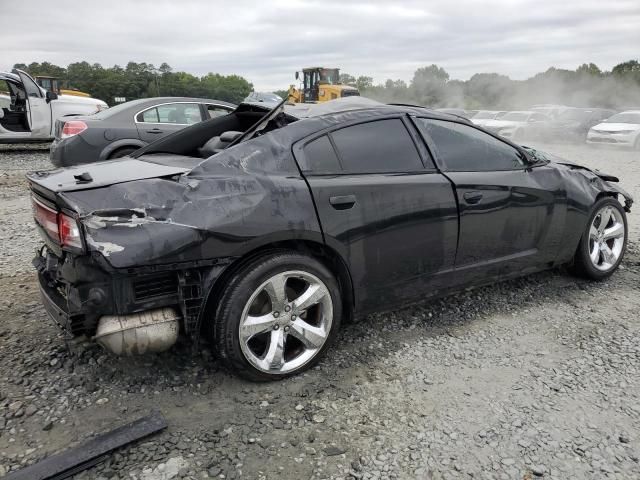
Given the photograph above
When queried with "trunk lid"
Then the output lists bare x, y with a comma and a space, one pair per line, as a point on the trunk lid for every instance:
96, 175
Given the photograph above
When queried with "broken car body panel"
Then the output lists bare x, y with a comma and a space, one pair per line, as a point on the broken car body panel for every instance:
162, 232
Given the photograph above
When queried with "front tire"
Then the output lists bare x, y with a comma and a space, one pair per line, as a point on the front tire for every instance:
277, 316
604, 241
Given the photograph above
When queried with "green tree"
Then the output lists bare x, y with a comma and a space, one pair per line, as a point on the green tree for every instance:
428, 85
589, 69
347, 79
363, 83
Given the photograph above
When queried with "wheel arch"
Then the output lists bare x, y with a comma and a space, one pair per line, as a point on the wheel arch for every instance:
320, 251
118, 144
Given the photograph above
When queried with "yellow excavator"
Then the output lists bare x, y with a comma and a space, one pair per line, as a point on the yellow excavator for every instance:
320, 84
51, 84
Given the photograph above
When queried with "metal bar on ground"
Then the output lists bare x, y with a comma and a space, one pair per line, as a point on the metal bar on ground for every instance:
92, 452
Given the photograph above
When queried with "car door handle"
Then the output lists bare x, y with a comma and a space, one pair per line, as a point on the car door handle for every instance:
155, 130
472, 197
342, 202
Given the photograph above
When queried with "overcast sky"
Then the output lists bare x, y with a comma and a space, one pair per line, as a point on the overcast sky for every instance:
266, 41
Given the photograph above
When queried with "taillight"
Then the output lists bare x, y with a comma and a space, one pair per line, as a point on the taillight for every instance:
47, 218
73, 127
61, 228
69, 231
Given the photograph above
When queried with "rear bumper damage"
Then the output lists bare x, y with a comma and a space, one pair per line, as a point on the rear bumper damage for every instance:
84, 297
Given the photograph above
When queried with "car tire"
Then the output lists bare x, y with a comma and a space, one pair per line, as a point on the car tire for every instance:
122, 152
591, 260
258, 331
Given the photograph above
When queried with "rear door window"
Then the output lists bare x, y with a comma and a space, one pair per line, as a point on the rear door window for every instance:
377, 147
216, 111
320, 157
149, 116
180, 113
462, 148
175, 113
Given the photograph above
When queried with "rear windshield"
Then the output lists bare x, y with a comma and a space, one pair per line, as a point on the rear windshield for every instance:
630, 117
115, 110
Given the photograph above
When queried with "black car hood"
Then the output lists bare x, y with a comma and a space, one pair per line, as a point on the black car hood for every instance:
96, 175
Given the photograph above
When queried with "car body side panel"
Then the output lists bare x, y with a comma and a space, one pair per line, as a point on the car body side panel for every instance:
226, 209
517, 223
583, 187
399, 238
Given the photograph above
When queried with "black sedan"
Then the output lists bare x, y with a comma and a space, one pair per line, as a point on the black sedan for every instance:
264, 231
121, 130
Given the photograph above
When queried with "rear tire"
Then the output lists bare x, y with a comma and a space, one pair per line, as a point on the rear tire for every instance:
264, 328
122, 152
603, 242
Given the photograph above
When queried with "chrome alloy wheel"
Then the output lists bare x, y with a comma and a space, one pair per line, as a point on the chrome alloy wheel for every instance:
606, 238
286, 322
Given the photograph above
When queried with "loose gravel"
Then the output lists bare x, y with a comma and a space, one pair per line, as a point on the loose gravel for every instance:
532, 378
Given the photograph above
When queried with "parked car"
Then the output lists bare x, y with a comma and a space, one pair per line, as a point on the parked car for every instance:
264, 231
572, 124
549, 109
268, 98
622, 129
32, 111
516, 125
123, 129
482, 117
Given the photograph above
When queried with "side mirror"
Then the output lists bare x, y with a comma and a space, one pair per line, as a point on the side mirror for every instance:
1, 113
297, 75
51, 96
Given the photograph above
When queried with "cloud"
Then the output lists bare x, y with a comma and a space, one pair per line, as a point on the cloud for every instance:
267, 41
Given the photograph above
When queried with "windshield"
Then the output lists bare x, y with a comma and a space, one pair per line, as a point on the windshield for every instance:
329, 75
485, 115
625, 117
516, 116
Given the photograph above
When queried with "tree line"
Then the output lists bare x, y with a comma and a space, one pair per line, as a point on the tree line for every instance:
141, 80
586, 86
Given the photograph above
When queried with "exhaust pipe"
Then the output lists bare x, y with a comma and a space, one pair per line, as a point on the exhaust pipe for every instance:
145, 332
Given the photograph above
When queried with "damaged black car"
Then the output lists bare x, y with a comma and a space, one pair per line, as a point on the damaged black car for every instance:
264, 230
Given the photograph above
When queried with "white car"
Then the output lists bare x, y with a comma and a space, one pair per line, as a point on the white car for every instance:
621, 129
549, 109
515, 125
485, 116
31, 113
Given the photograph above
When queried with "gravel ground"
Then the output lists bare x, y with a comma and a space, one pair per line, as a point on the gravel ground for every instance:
537, 377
